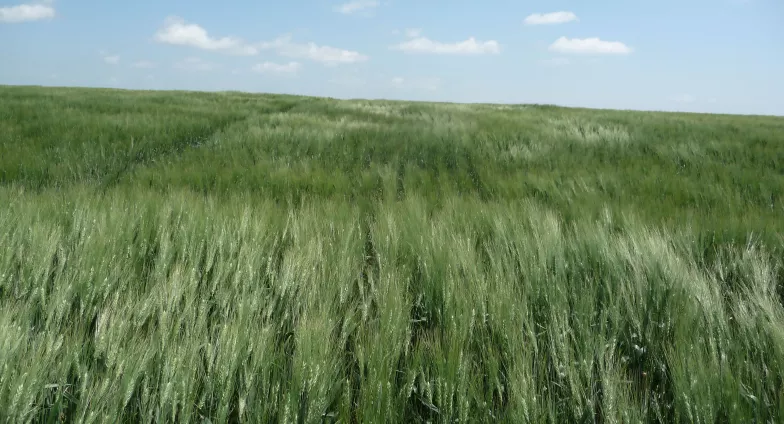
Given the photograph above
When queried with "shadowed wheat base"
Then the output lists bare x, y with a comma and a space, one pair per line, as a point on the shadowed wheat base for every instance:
177, 257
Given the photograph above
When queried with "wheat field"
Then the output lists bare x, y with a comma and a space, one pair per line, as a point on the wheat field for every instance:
231, 257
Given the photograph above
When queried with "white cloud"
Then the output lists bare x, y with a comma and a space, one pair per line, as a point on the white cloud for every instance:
550, 18
143, 64
357, 6
468, 47
323, 54
112, 59
26, 13
177, 32
413, 32
195, 64
589, 46
277, 68
684, 98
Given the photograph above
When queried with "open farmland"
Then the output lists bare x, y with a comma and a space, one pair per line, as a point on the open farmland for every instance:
178, 256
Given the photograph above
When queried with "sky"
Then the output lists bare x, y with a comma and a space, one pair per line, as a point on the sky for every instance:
716, 56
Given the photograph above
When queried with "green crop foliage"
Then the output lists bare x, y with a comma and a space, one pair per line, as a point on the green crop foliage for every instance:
185, 257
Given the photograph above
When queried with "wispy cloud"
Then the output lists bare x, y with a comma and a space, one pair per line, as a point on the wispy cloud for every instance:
143, 64
327, 55
589, 46
277, 68
26, 13
684, 98
413, 32
357, 6
550, 18
112, 59
424, 45
178, 32
195, 64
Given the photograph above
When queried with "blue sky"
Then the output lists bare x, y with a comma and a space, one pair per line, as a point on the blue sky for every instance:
724, 56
